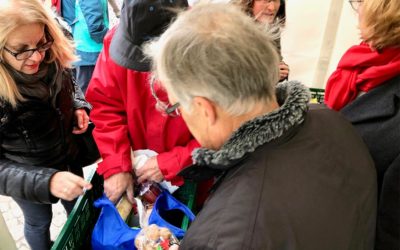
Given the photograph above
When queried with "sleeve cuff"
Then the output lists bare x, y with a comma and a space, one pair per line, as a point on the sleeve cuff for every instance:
114, 165
169, 167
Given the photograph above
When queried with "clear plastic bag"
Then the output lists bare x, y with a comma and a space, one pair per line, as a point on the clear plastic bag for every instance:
153, 237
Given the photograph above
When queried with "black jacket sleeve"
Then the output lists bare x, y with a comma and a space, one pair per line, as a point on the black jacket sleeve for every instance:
26, 182
79, 97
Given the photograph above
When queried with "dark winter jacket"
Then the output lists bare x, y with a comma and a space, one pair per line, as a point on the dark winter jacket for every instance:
296, 178
376, 116
36, 141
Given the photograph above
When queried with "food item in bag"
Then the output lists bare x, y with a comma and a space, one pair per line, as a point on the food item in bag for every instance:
153, 237
165, 233
152, 232
124, 207
148, 192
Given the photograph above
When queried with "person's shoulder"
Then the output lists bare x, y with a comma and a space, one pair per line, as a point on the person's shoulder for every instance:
323, 113
337, 137
324, 117
391, 86
319, 106
381, 101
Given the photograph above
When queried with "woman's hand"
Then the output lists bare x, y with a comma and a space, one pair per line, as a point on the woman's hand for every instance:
68, 186
283, 71
149, 171
82, 121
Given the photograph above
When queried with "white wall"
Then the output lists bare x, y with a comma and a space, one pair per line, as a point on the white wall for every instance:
317, 33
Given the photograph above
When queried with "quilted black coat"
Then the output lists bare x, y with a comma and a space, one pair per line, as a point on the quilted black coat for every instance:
36, 141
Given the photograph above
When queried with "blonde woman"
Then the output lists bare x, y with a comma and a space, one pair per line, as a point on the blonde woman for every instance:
41, 109
365, 88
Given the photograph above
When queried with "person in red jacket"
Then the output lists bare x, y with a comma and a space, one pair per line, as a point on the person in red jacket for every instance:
124, 106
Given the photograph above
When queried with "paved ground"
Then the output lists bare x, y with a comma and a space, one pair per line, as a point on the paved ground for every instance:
13, 216
12, 213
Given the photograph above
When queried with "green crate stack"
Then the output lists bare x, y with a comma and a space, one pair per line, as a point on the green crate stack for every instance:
77, 231
317, 94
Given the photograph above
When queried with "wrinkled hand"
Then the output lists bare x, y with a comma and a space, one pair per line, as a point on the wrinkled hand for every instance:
82, 121
149, 171
283, 70
67, 186
117, 184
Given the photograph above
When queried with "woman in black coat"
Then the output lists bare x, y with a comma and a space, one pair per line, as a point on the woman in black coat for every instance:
42, 112
365, 88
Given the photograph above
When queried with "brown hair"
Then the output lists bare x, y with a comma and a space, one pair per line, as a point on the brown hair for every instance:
381, 19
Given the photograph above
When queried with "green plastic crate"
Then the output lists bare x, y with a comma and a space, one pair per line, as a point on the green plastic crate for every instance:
189, 191
77, 231
317, 94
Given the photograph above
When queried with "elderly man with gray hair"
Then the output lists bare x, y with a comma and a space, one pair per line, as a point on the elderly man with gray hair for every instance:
290, 175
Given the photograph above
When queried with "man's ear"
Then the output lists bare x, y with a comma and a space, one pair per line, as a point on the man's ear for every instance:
206, 109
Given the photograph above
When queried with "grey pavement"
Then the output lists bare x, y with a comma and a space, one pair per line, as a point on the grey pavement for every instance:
12, 213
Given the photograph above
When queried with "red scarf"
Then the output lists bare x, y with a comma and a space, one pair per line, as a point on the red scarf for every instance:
360, 69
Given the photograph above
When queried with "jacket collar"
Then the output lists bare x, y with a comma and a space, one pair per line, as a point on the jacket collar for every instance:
293, 98
377, 103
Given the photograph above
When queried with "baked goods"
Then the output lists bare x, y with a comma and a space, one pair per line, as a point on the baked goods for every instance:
154, 237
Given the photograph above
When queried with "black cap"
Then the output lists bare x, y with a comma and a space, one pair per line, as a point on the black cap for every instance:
141, 21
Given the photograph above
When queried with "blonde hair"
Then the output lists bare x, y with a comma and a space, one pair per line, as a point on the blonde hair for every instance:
381, 19
14, 13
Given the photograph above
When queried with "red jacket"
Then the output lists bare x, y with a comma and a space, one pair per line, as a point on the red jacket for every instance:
126, 118
57, 5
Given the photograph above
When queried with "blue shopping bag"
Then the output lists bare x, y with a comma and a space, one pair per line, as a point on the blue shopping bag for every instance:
166, 202
110, 231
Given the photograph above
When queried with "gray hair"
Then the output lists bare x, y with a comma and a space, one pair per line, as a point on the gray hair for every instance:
216, 51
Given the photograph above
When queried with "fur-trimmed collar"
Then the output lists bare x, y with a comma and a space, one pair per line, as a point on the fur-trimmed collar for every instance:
293, 98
